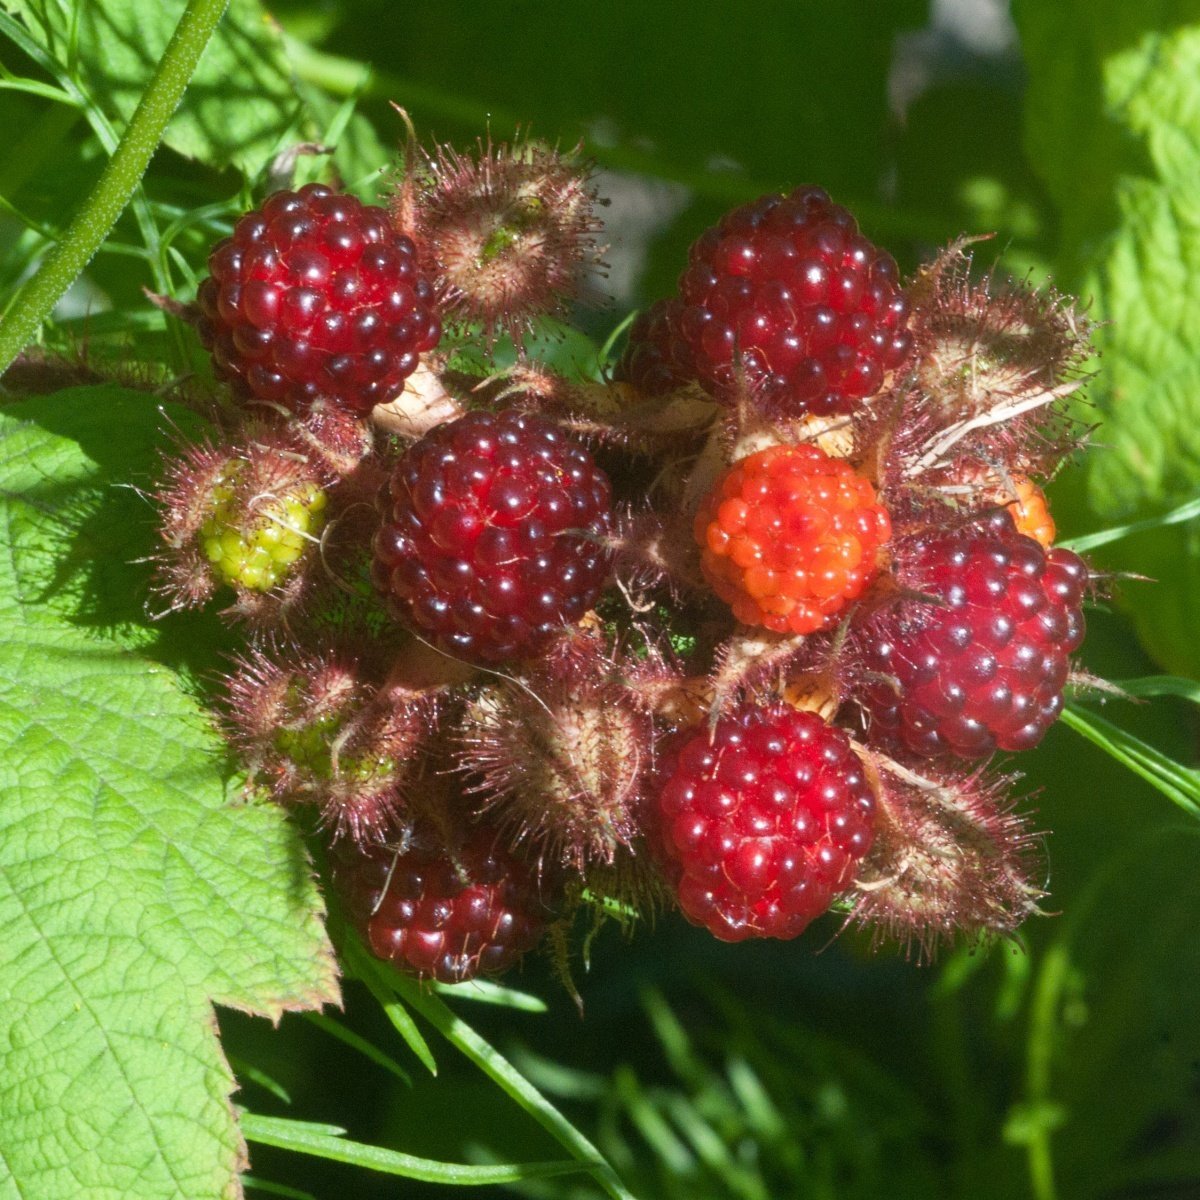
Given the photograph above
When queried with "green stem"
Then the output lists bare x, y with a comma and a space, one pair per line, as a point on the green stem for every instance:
128, 164
1043, 1023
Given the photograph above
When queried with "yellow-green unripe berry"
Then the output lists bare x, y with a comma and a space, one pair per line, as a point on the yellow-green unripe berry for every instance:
254, 544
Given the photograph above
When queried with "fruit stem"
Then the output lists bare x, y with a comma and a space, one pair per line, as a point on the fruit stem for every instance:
120, 178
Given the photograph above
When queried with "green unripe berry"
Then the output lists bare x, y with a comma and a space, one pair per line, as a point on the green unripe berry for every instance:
253, 545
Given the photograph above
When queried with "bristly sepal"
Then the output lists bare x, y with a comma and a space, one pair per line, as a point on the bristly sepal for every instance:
952, 858
562, 754
509, 231
318, 729
995, 366
242, 515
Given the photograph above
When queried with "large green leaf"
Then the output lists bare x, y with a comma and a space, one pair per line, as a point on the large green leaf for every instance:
1114, 125
135, 890
240, 103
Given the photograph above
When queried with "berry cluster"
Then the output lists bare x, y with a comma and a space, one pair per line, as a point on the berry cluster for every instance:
733, 630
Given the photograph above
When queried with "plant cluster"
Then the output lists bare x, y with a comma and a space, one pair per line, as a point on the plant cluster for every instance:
736, 628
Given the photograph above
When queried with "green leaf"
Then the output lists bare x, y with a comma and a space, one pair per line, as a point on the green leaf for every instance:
1114, 99
1148, 287
325, 1141
1164, 605
241, 101
134, 890
1108, 996
750, 128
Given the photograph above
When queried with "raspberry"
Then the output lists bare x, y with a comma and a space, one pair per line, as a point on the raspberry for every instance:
316, 297
787, 294
490, 538
789, 537
764, 821
656, 360
981, 664
443, 914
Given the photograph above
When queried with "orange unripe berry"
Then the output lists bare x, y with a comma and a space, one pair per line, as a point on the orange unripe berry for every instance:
1031, 513
789, 537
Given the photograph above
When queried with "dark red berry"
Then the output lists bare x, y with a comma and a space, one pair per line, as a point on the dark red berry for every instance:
786, 296
980, 665
316, 297
764, 821
491, 535
657, 360
441, 913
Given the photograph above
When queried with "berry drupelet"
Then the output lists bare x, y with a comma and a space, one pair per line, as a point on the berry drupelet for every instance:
315, 298
764, 821
492, 535
975, 655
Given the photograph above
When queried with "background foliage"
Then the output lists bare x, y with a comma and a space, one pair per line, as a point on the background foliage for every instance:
133, 891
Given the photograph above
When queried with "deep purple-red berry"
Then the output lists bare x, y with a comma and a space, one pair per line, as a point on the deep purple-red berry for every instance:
786, 297
979, 665
440, 912
764, 821
657, 359
316, 298
492, 533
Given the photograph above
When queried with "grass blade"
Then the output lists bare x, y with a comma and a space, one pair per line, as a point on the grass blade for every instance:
350, 1038
248, 1071
484, 992
304, 1137
253, 1184
383, 979
1162, 685
406, 1027
1178, 783
1092, 541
